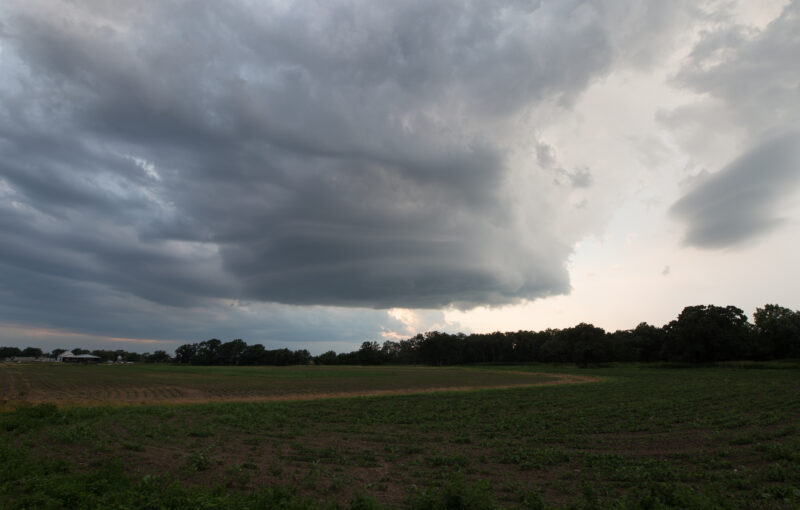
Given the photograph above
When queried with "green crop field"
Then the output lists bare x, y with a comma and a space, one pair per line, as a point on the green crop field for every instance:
625, 437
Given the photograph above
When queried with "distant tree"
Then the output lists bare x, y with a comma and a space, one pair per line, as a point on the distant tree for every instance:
55, 352
442, 349
706, 333
301, 357
32, 352
253, 355
527, 344
326, 358
208, 352
103, 354
370, 354
391, 351
231, 352
10, 352
132, 357
648, 342
281, 357
587, 343
347, 358
410, 350
778, 331
556, 348
643, 343
186, 353
159, 357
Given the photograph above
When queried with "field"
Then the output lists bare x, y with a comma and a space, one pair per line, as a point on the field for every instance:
618, 437
69, 385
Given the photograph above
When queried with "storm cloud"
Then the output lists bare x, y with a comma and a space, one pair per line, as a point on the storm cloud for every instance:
281, 168
344, 153
743, 200
752, 82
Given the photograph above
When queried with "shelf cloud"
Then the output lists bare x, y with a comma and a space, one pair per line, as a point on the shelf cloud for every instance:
163, 159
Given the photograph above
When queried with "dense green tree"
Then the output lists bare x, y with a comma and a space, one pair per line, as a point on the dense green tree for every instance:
705, 333
253, 355
159, 357
391, 351
32, 352
555, 348
327, 358
186, 353
778, 331
230, 353
301, 357
370, 354
587, 344
9, 352
208, 352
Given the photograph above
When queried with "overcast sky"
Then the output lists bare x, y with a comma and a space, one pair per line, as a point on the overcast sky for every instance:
314, 174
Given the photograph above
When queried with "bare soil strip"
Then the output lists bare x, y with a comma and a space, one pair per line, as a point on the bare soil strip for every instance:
195, 396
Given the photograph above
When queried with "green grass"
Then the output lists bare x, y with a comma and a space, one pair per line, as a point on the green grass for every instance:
643, 437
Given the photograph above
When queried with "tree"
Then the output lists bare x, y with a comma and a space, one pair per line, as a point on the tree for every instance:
231, 352
9, 352
391, 351
648, 341
208, 352
327, 358
301, 357
778, 331
186, 353
370, 353
32, 352
705, 333
159, 357
253, 355
587, 343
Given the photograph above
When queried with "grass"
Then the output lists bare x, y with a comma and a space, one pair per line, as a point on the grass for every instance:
643, 437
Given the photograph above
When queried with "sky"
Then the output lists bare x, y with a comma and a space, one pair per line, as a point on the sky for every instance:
315, 174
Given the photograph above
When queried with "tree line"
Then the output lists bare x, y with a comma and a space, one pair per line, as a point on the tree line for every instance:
104, 354
700, 334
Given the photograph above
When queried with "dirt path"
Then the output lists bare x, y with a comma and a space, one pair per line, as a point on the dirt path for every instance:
185, 395
557, 380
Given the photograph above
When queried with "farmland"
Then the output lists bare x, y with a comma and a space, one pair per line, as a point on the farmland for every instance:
70, 385
626, 436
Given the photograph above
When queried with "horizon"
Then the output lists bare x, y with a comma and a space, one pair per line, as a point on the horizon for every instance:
324, 350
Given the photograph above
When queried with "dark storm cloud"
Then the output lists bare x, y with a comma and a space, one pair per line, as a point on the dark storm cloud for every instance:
743, 200
756, 79
83, 314
164, 156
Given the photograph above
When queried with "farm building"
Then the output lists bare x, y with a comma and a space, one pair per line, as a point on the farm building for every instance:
69, 357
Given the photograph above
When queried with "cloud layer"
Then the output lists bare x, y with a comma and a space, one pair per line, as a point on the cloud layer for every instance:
179, 167
743, 200
752, 84
345, 153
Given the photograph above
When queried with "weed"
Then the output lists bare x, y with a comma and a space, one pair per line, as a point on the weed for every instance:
200, 461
